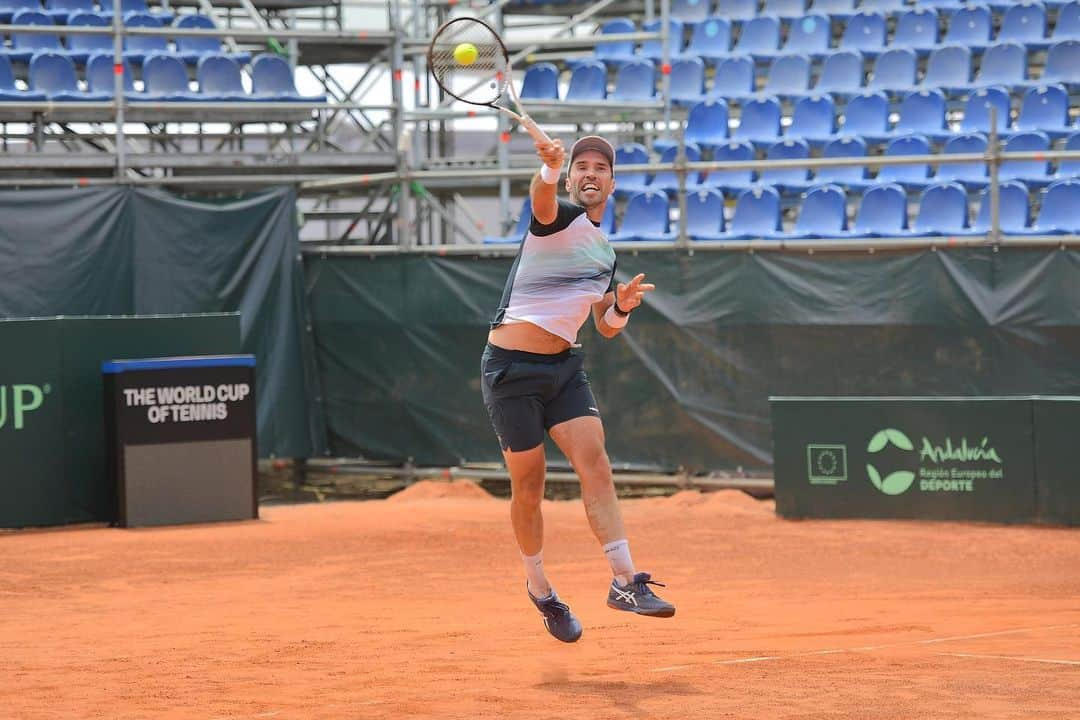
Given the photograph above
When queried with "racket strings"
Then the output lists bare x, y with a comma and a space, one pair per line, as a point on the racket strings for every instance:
480, 82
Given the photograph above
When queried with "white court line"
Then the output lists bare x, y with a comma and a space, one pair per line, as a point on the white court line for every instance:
866, 648
1010, 657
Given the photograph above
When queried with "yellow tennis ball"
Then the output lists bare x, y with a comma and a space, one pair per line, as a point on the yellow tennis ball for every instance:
466, 53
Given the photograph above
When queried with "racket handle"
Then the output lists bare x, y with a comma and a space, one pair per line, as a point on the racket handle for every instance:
533, 129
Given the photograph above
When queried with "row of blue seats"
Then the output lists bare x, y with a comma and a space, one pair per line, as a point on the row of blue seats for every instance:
61, 10
842, 74
165, 79
918, 30
915, 176
816, 119
80, 46
696, 11
883, 212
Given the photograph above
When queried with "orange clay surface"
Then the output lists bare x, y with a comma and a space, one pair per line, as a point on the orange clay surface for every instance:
415, 607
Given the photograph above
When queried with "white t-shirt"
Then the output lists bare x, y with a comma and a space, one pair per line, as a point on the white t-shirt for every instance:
561, 269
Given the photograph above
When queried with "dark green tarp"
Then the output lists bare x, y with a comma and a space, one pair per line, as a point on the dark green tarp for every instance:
125, 251
399, 341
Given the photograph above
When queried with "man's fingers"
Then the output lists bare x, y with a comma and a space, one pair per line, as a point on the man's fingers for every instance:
646, 287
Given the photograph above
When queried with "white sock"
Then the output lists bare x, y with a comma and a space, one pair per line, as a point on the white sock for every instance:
534, 571
618, 556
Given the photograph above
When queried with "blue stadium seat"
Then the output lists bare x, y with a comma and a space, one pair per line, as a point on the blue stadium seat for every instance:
787, 179
705, 214
734, 151
910, 176
809, 36
922, 112
219, 79
785, 8
81, 47
607, 222
707, 124
631, 183
193, 49
588, 82
1003, 64
1069, 169
917, 29
272, 80
813, 119
1058, 215
667, 181
1031, 172
760, 37
865, 32
635, 81
1045, 109
654, 49
737, 9
884, 7
882, 213
61, 10
54, 74
9, 92
970, 27
894, 71
943, 210
687, 81
101, 79
839, 9
850, 176
841, 74
977, 110
690, 12
1014, 213
760, 121
789, 75
734, 78
25, 45
1024, 23
711, 39
138, 48
1063, 65
165, 79
948, 68
8, 8
970, 175
1068, 22
866, 115
615, 53
757, 215
823, 214
522, 227
541, 82
646, 218
128, 7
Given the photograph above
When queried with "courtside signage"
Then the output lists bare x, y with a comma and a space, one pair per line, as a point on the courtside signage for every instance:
905, 457
18, 402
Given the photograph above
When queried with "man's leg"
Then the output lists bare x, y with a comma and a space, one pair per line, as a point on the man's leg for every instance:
527, 490
582, 441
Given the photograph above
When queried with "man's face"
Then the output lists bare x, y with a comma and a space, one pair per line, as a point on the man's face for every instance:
590, 179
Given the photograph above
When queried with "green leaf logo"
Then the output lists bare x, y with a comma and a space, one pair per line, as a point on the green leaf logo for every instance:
896, 482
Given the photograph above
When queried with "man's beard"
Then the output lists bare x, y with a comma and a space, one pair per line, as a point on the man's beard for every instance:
579, 199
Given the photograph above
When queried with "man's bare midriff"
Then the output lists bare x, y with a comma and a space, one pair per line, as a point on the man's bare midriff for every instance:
528, 337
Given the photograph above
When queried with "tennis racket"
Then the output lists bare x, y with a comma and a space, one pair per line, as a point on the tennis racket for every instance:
470, 63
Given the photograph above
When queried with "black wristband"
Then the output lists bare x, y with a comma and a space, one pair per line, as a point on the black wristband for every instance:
619, 311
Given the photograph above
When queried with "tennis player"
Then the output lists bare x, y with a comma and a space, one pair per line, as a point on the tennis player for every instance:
533, 378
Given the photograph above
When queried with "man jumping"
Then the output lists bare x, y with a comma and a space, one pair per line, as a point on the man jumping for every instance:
533, 378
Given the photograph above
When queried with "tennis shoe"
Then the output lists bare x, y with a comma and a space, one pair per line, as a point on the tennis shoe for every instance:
558, 619
637, 597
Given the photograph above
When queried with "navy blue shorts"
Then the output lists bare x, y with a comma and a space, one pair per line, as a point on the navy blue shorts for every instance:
527, 394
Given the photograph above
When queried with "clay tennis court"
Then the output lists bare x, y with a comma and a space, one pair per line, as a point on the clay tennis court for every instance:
414, 607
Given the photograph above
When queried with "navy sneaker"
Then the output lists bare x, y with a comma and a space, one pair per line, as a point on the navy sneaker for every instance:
637, 597
558, 619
